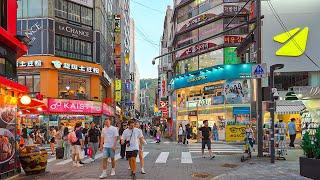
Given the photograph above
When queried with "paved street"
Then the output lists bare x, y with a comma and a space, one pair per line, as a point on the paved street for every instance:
169, 160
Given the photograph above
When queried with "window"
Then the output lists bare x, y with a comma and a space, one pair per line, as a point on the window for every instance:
73, 48
210, 59
210, 29
61, 9
31, 81
187, 65
86, 16
187, 38
34, 8
74, 12
3, 14
74, 87
2, 66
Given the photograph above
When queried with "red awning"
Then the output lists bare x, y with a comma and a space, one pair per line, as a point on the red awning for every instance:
13, 85
35, 107
13, 43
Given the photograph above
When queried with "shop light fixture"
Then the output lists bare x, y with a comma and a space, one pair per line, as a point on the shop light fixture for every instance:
68, 88
39, 109
25, 100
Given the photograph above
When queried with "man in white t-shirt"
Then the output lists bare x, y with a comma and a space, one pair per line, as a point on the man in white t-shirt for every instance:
133, 138
108, 143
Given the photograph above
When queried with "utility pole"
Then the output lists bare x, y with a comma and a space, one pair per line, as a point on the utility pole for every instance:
259, 86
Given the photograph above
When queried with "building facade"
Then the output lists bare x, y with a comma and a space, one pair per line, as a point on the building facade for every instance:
210, 82
70, 59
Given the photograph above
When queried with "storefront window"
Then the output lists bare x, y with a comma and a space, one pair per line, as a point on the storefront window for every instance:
211, 59
103, 91
31, 81
187, 65
74, 87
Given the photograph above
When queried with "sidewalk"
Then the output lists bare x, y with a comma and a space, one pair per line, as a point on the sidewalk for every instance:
261, 168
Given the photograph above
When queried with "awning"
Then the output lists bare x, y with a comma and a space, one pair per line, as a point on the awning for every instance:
35, 107
289, 107
13, 85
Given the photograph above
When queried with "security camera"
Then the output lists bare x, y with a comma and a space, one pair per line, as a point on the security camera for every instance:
275, 93
153, 61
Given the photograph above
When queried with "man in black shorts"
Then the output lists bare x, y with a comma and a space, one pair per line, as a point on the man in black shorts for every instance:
206, 135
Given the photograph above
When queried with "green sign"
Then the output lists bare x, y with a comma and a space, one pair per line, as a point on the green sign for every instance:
230, 56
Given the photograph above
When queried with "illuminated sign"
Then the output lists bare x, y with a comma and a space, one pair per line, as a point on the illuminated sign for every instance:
118, 85
198, 78
197, 48
59, 65
295, 42
36, 63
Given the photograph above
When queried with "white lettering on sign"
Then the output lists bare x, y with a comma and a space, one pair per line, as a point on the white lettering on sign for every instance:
30, 32
59, 65
36, 63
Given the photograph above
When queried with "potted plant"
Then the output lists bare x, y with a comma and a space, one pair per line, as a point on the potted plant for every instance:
309, 165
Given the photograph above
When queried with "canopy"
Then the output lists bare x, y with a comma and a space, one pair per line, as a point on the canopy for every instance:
289, 107
35, 107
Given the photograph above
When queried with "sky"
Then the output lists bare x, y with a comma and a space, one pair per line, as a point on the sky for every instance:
149, 17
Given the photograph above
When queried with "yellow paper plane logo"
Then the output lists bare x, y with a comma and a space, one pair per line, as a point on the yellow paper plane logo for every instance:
295, 42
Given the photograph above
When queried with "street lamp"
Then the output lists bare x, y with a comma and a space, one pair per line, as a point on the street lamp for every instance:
273, 96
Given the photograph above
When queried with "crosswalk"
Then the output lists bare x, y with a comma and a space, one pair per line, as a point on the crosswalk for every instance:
216, 148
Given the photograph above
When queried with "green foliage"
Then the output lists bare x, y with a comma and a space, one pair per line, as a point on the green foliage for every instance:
317, 144
307, 146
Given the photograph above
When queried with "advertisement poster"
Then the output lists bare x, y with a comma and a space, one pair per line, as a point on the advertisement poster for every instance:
235, 133
7, 136
237, 91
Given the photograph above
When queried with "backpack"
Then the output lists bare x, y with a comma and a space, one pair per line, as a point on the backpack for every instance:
72, 137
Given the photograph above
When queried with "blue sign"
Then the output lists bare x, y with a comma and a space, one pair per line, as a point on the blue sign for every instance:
212, 74
217, 100
241, 110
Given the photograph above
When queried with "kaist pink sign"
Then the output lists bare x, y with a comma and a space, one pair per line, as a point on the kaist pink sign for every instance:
65, 106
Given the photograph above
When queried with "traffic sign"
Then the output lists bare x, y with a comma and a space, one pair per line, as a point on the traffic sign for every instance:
259, 71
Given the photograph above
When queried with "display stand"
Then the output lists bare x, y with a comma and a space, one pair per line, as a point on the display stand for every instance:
280, 140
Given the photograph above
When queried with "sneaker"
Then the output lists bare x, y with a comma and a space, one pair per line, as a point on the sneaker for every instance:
133, 175
142, 171
213, 156
79, 165
74, 164
113, 172
129, 168
91, 159
103, 175
81, 162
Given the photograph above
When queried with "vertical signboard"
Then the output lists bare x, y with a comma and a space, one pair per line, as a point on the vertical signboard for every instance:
230, 56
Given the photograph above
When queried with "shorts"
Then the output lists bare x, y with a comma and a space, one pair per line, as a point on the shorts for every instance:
108, 153
130, 154
206, 142
76, 149
52, 140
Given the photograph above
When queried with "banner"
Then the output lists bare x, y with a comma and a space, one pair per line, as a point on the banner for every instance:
237, 91
66, 106
235, 133
118, 85
118, 96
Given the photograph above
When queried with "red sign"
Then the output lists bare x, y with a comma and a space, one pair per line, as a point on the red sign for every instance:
198, 48
233, 39
74, 106
107, 110
164, 108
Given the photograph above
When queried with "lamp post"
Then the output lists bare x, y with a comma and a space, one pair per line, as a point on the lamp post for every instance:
273, 96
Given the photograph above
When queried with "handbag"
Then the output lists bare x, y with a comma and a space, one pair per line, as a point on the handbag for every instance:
128, 142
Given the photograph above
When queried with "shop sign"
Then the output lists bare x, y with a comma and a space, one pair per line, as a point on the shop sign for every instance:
53, 123
233, 9
58, 65
230, 56
73, 31
199, 103
237, 91
127, 86
117, 23
241, 111
31, 31
235, 133
197, 78
217, 100
107, 110
163, 86
88, 3
118, 96
212, 88
197, 49
233, 39
118, 85
105, 75
192, 113
77, 106
196, 21
36, 63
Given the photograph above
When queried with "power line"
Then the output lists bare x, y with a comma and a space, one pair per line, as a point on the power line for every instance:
278, 18
150, 8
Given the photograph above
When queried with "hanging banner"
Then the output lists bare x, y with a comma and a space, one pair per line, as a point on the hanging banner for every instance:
118, 85
118, 96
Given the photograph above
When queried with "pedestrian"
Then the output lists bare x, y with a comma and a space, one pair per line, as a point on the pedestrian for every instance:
38, 137
215, 132
292, 131
66, 144
85, 134
77, 142
53, 133
187, 134
24, 134
108, 142
132, 137
122, 146
180, 133
93, 140
158, 135
141, 149
206, 135
249, 136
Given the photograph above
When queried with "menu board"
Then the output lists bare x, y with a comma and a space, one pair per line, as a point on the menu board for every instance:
7, 137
